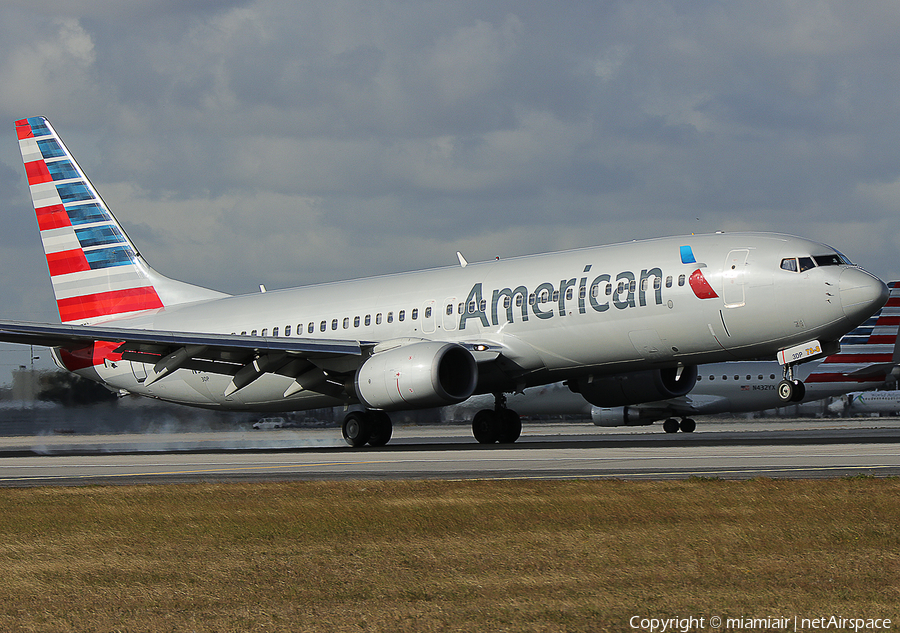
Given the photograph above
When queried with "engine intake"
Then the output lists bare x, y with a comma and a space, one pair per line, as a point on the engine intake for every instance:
419, 375
618, 390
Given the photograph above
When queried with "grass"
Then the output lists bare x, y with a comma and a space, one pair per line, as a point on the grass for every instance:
445, 556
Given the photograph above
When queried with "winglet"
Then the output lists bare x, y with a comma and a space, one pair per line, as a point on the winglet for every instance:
462, 260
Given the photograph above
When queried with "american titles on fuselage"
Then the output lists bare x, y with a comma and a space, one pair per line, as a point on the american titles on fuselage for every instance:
625, 290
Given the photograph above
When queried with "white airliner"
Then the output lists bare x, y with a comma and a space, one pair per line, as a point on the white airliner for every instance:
859, 402
869, 359
624, 323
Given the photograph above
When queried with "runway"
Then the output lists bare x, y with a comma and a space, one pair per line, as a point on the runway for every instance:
728, 450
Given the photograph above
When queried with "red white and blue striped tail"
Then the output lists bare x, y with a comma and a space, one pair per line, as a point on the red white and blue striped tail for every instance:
97, 273
869, 353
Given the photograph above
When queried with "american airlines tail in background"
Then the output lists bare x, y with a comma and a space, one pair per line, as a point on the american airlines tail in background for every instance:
624, 323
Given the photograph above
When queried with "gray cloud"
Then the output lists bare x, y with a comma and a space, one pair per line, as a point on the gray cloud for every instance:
285, 143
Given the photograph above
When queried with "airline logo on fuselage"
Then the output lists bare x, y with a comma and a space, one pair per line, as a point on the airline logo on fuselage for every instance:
626, 290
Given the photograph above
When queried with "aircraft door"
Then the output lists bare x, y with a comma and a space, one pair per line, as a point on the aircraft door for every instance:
733, 278
450, 316
428, 317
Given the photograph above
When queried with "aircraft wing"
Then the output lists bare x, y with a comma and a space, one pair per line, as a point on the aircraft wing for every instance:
245, 358
691, 404
315, 364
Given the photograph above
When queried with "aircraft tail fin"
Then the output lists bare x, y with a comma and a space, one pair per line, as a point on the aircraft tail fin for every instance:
96, 271
870, 352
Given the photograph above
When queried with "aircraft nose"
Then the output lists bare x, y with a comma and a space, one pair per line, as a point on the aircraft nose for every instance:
861, 294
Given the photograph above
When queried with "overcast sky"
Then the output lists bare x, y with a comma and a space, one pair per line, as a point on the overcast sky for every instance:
287, 143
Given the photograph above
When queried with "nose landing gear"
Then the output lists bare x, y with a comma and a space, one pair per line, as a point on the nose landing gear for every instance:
790, 389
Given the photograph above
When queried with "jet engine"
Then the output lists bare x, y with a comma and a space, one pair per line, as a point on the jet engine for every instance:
650, 385
619, 416
418, 375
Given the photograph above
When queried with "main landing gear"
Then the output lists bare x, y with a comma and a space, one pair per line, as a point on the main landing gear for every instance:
687, 425
498, 424
367, 427
790, 390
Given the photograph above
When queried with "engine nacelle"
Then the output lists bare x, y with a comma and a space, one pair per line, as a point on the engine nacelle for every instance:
618, 416
617, 390
416, 376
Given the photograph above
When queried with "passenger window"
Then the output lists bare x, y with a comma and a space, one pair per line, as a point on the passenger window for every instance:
428, 313
519, 300
356, 321
378, 319
680, 280
461, 308
275, 332
323, 326
346, 323
287, 330
531, 299
657, 283
483, 305
632, 285
311, 328
390, 318
252, 332
669, 281
789, 263
555, 296
415, 314
244, 333
401, 315
608, 289
265, 331
368, 320
334, 324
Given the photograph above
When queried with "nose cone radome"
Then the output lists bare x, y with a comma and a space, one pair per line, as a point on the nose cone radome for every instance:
861, 294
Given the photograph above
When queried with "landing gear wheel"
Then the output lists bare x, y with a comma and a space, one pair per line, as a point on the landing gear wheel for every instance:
687, 425
486, 426
356, 428
799, 391
670, 425
381, 428
510, 426
791, 391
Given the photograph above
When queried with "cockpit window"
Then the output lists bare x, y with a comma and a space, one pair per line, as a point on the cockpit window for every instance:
789, 263
833, 259
806, 263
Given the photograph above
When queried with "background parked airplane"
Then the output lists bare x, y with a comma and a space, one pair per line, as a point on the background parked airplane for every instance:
861, 402
869, 359
623, 324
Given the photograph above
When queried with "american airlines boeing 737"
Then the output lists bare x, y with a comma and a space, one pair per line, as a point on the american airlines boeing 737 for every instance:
624, 323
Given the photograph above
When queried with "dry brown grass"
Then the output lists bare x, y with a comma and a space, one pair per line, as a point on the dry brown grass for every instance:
444, 556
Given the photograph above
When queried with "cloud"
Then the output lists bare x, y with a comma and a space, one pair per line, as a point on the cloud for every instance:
346, 138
